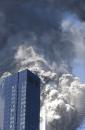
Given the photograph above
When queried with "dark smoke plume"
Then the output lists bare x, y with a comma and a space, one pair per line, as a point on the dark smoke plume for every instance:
46, 35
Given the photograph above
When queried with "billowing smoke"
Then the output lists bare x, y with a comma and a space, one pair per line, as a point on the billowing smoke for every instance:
47, 37
64, 104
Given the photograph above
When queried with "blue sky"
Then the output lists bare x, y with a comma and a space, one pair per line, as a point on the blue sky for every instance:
79, 69
79, 63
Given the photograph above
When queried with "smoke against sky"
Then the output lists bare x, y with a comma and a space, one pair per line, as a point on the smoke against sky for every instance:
50, 27
33, 24
46, 35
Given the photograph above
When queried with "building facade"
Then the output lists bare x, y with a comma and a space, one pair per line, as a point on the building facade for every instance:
10, 98
22, 101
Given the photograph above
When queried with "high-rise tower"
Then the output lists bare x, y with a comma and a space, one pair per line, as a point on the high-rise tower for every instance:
22, 101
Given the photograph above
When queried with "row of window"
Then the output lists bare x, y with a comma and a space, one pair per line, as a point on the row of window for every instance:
23, 106
13, 108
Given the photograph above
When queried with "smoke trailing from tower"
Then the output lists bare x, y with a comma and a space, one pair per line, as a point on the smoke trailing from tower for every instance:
47, 37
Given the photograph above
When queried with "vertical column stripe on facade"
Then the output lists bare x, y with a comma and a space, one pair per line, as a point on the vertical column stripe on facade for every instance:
10, 111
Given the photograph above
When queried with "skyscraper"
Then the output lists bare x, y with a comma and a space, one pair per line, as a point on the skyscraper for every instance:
22, 101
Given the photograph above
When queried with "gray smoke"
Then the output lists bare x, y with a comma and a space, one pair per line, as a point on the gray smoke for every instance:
38, 24
64, 103
35, 24
46, 36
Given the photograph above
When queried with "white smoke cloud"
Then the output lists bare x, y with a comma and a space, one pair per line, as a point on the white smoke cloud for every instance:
43, 49
62, 98
63, 102
27, 56
75, 28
